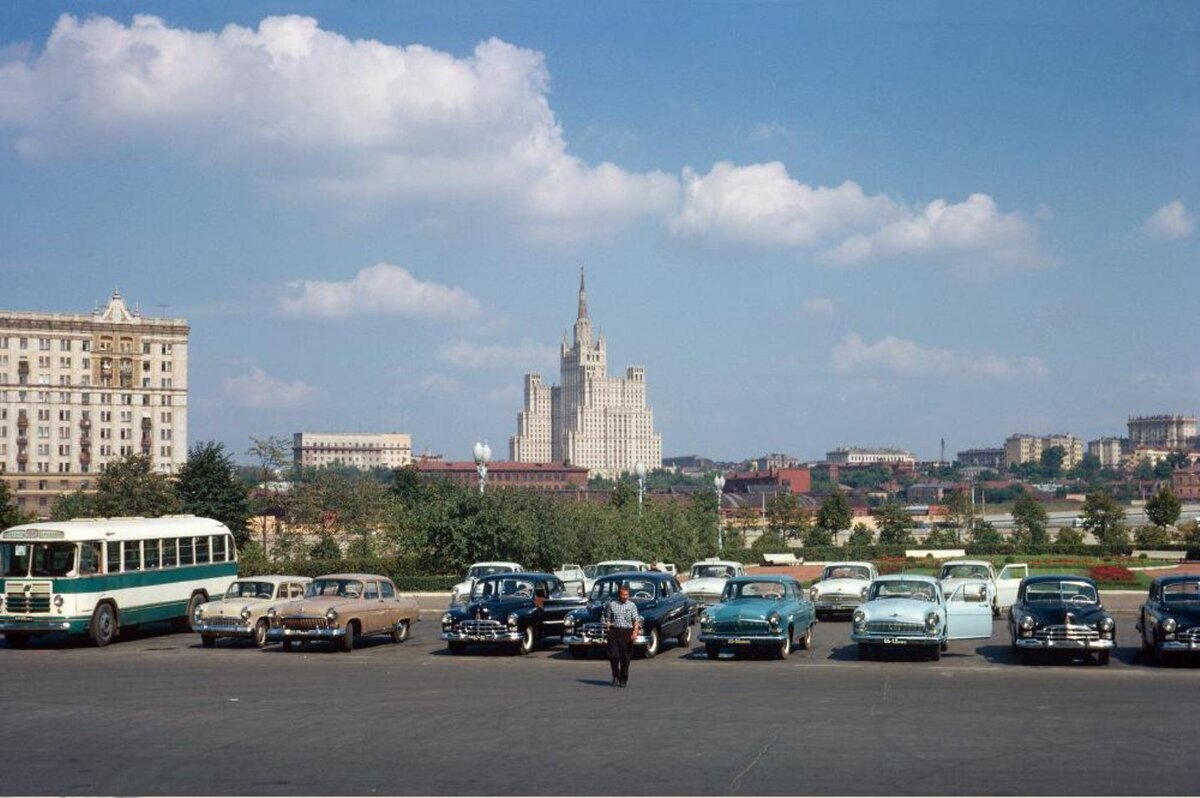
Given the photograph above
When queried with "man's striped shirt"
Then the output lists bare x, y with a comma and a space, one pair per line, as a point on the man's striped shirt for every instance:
621, 616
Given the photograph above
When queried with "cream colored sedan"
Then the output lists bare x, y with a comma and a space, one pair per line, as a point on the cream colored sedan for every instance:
242, 611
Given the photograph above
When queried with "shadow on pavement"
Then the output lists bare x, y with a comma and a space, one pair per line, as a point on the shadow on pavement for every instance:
596, 682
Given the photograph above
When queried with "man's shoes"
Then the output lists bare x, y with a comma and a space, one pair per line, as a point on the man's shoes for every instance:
624, 684
617, 682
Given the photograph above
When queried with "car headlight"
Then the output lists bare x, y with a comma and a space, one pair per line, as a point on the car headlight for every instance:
773, 621
246, 613
1168, 625
199, 613
272, 613
447, 619
512, 621
813, 592
863, 593
58, 601
932, 620
859, 617
1107, 624
569, 622
331, 615
1027, 622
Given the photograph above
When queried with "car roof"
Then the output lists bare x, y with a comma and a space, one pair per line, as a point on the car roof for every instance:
842, 563
966, 562
781, 578
654, 576
496, 562
906, 577
519, 575
273, 578
360, 577
734, 563
1173, 578
620, 562
1033, 580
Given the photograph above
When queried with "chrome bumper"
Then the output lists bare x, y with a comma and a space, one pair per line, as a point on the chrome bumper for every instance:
896, 639
596, 642
505, 636
1077, 645
35, 625
837, 606
740, 640
223, 631
1178, 645
275, 634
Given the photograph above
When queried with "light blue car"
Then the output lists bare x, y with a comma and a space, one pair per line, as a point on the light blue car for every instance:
910, 610
769, 612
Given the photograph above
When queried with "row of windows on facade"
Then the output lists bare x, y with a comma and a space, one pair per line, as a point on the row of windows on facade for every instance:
67, 362
97, 557
107, 343
85, 398
106, 416
105, 450
105, 434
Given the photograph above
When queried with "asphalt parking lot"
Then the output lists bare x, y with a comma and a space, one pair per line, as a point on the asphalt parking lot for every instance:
158, 714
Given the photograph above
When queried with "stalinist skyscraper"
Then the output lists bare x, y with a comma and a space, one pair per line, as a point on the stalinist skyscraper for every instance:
591, 420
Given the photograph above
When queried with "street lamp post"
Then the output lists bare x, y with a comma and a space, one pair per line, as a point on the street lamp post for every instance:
719, 484
483, 456
640, 471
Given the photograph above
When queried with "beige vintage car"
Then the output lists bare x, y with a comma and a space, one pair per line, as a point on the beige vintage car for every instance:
242, 611
344, 608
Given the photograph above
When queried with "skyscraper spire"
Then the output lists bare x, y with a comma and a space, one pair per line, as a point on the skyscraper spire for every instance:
582, 296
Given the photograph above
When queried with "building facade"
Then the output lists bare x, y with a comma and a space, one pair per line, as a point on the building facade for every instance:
589, 419
535, 476
364, 450
854, 456
80, 390
1185, 482
1022, 448
1171, 432
791, 480
982, 458
1109, 451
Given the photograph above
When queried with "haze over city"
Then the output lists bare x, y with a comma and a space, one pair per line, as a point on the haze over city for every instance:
813, 226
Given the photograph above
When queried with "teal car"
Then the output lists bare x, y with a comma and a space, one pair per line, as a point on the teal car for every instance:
769, 612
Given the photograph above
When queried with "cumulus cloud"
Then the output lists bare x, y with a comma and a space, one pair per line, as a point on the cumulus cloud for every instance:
257, 389
817, 306
382, 289
472, 355
904, 358
351, 117
1171, 221
762, 204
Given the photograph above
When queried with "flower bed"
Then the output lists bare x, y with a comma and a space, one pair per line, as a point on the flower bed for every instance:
1112, 574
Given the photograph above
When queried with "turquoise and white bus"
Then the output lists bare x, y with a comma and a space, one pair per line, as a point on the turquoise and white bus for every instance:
96, 575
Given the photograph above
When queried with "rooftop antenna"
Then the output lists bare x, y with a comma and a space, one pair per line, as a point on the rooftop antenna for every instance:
162, 309
942, 458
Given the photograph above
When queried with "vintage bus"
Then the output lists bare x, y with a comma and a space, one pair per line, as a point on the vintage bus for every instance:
96, 575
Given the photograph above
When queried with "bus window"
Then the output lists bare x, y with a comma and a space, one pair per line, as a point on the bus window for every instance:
150, 553
91, 556
202, 549
14, 559
218, 554
133, 555
53, 559
113, 565
169, 558
186, 555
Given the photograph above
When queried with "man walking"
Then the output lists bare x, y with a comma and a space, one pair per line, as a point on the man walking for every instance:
622, 621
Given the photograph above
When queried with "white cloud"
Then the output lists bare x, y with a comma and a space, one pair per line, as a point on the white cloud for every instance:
472, 355
438, 384
769, 131
382, 289
507, 395
901, 357
1171, 221
257, 389
817, 306
762, 204
354, 118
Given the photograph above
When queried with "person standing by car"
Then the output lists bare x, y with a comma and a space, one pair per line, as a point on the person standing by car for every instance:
621, 620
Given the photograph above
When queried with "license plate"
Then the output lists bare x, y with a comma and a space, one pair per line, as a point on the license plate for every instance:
895, 641
739, 641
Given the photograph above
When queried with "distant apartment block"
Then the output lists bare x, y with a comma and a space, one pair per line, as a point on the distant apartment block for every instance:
1171, 432
1185, 482
981, 458
1109, 451
775, 460
792, 480
854, 456
365, 450
535, 476
1022, 448
80, 390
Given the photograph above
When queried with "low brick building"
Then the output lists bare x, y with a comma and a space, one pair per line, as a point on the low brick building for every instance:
507, 474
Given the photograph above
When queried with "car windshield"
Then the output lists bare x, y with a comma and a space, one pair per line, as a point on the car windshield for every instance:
342, 588
964, 571
846, 572
478, 571
763, 590
639, 589
250, 589
1058, 592
902, 588
37, 559
496, 588
615, 568
712, 571
1181, 591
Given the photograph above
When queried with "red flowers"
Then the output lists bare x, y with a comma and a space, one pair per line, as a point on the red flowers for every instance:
1112, 573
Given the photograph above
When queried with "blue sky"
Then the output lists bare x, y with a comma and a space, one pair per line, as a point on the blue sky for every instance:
815, 224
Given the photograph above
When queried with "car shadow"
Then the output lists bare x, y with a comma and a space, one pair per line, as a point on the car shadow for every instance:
596, 682
1001, 654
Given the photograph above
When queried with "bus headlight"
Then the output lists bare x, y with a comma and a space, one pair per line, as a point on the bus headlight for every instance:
58, 601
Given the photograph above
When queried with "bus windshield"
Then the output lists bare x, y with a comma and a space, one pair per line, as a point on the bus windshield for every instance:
37, 559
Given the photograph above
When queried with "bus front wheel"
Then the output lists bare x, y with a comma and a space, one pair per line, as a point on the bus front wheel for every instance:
103, 628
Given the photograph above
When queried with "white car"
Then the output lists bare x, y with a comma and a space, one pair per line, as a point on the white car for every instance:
613, 567
1002, 587
707, 580
842, 587
573, 577
461, 592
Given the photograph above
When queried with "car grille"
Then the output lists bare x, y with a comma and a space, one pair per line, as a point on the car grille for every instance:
1191, 636
1064, 632
592, 631
480, 626
743, 627
895, 627
17, 601
840, 598
300, 624
705, 598
225, 622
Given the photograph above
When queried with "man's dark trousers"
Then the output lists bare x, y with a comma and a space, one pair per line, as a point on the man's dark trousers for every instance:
620, 646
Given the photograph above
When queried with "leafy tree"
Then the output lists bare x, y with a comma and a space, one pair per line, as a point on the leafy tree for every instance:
1163, 507
1178, 460
1149, 536
894, 523
406, 484
265, 502
960, 510
986, 534
208, 487
1052, 461
1030, 519
10, 515
131, 486
860, 535
1144, 469
835, 513
940, 537
1163, 469
1068, 536
1105, 519
817, 536
75, 504
624, 494
326, 548
1089, 468
786, 517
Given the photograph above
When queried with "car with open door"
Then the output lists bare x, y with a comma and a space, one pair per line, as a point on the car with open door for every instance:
912, 611
667, 613
1063, 614
513, 610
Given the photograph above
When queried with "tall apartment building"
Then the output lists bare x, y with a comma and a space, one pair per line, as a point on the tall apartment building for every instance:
1161, 432
1021, 448
852, 456
80, 390
1110, 451
364, 450
591, 420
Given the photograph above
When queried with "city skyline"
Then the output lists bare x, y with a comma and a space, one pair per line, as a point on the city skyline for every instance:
810, 245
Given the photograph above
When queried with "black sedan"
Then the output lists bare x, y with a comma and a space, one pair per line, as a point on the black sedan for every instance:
1061, 613
666, 613
513, 610
1169, 621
